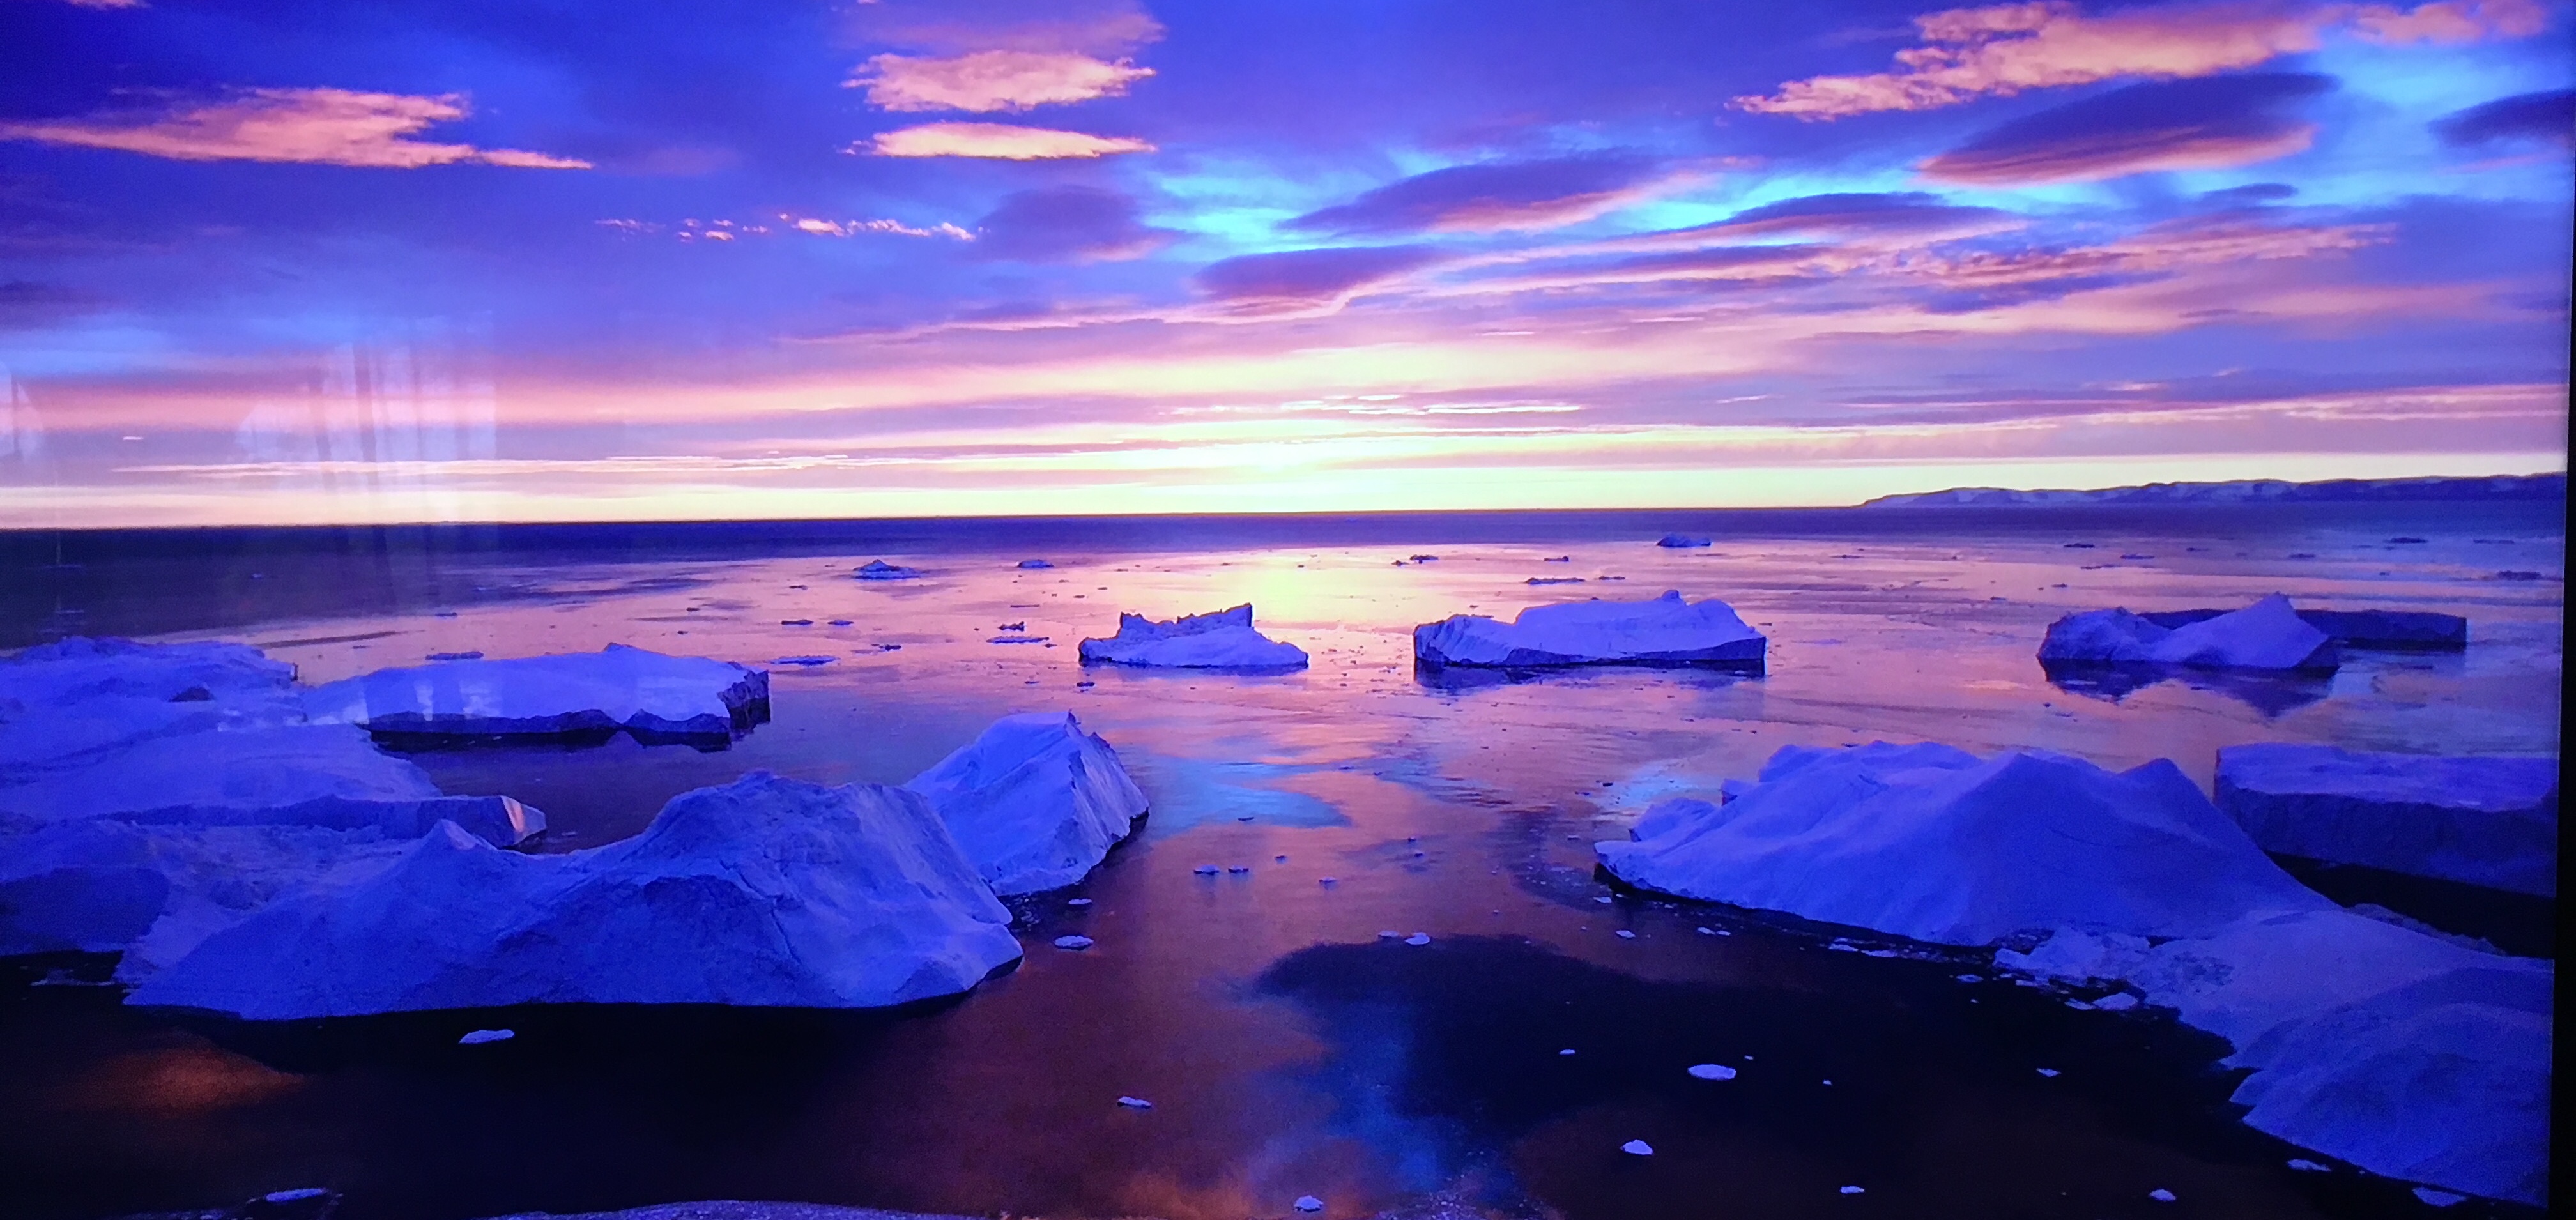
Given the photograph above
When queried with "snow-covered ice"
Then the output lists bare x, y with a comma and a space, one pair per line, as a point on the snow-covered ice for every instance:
766, 891
1308, 1203
1135, 1103
618, 687
79, 697
2268, 635
1222, 639
1712, 1071
2489, 821
878, 569
1637, 1148
1664, 630
1933, 843
1034, 802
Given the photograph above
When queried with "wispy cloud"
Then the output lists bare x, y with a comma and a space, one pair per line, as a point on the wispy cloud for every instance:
1307, 281
988, 81
2193, 124
1000, 141
1964, 54
1495, 196
2539, 118
310, 126
1077, 224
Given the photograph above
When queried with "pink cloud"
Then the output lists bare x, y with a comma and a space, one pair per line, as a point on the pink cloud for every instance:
987, 81
2001, 50
1000, 141
310, 126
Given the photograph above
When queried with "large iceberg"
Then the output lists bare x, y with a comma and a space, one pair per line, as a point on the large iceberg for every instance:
2268, 635
766, 891
1034, 802
1932, 843
618, 687
1664, 630
2487, 821
2402, 1053
1222, 639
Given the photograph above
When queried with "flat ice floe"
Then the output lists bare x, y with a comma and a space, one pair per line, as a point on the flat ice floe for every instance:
618, 687
1034, 802
766, 892
1664, 630
2268, 635
2489, 821
1933, 843
1221, 639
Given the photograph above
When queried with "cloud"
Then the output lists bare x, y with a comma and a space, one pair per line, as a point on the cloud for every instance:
1067, 224
2545, 118
310, 126
2250, 194
1494, 196
1304, 281
961, 27
2190, 124
1913, 213
1000, 141
105, 3
987, 81
2004, 49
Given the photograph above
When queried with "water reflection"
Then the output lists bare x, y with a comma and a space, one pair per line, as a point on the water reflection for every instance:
2268, 693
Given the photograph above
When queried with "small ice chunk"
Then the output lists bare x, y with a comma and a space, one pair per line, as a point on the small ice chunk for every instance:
2438, 1198
1971, 978
2116, 1001
1035, 564
2161, 1195
2304, 1165
1280, 859
1308, 1203
1712, 1071
1205, 870
1604, 900
1854, 1190
1625, 934
1567, 1051
1418, 938
1238, 868
2079, 1004
1637, 1148
2049, 1072
878, 569
1705, 931
297, 1195
1327, 880
1135, 1103
1389, 934
1074, 942
1077, 902
481, 1036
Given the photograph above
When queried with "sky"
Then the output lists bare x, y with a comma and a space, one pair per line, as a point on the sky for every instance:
306, 262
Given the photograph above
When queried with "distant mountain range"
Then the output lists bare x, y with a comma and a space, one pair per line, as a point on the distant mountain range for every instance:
2254, 491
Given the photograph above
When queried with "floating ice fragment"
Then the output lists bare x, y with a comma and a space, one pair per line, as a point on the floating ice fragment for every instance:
1077, 902
481, 1036
1238, 868
1325, 880
806, 661
785, 622
2116, 1002
2079, 1004
2438, 1198
840, 622
1205, 870
1567, 1051
1637, 1148
1389, 934
1854, 1190
2049, 1072
1035, 564
1603, 900
1625, 934
1971, 978
1135, 1103
1074, 942
297, 1195
1705, 931
2161, 1195
1308, 1203
2304, 1165
878, 569
1280, 859
1418, 938
471, 655
1712, 1071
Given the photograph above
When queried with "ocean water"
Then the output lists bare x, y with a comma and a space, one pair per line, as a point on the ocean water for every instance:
1288, 1046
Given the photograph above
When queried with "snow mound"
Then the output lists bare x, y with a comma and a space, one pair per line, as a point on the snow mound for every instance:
2487, 821
1932, 843
1034, 802
2401, 1053
1663, 630
618, 687
878, 569
2268, 635
83, 697
1222, 639
766, 891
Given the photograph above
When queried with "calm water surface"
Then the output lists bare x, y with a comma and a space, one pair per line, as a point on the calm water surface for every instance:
1288, 1046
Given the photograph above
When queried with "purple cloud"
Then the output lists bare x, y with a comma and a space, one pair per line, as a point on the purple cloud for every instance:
1075, 224
1300, 280
2543, 118
1500, 195
1853, 215
2187, 124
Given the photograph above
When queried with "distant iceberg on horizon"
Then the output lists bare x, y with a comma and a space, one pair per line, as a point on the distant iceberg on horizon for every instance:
2248, 491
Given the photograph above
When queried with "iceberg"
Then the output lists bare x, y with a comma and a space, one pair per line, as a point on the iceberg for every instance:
878, 569
1664, 630
1034, 802
2402, 1053
1222, 639
619, 687
1034, 565
2489, 821
1679, 541
763, 892
2380, 630
2268, 635
1932, 843
86, 697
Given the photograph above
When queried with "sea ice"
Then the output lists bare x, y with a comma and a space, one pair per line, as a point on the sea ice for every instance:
2267, 635
1637, 1148
616, 687
2490, 821
2390, 630
1034, 802
766, 891
1665, 630
1308, 1203
878, 569
1035, 564
1135, 1103
1668, 813
1074, 942
1222, 639
1678, 541
481, 1036
1712, 1071
81, 697
1932, 843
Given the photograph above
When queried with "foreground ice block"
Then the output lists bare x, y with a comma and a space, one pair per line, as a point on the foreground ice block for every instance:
1222, 639
1663, 630
617, 687
1035, 802
2402, 1053
1935, 844
763, 892
81, 696
2486, 821
2268, 635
